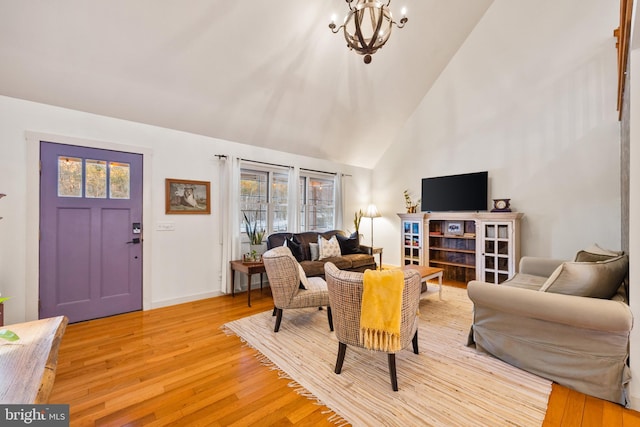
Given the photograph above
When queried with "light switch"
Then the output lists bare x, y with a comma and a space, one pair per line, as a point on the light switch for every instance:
165, 226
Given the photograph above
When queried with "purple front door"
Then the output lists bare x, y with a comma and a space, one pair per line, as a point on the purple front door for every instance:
90, 232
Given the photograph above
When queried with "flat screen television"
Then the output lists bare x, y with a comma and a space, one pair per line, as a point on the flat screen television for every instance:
464, 192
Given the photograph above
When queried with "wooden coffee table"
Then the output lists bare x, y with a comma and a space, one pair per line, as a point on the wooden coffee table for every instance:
427, 273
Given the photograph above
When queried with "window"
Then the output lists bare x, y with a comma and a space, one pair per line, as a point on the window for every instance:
264, 198
96, 177
317, 198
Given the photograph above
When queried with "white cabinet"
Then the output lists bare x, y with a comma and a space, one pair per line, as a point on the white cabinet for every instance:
467, 245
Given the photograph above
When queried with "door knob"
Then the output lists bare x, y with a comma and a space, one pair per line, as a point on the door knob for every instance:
135, 241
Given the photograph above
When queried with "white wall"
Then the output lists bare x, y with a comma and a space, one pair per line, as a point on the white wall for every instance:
634, 207
530, 97
180, 265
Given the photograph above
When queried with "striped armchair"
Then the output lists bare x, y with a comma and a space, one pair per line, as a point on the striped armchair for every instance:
345, 297
284, 276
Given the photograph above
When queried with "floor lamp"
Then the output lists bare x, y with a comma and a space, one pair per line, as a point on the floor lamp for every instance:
372, 212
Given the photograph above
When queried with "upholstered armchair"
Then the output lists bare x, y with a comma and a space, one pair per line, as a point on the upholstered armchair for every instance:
290, 287
345, 296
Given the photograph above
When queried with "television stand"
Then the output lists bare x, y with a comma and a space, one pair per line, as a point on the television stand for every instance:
466, 245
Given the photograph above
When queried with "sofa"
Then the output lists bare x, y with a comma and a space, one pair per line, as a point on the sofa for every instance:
346, 254
567, 321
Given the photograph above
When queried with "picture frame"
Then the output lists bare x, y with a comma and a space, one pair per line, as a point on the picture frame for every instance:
183, 196
454, 228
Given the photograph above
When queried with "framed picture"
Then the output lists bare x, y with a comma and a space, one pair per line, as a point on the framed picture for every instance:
454, 228
187, 197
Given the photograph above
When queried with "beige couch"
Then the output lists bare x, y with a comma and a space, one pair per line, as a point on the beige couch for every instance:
565, 321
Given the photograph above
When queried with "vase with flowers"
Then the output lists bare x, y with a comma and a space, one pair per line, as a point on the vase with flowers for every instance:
255, 235
409, 204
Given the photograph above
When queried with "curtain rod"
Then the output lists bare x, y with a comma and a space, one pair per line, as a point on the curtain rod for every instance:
317, 171
224, 156
266, 163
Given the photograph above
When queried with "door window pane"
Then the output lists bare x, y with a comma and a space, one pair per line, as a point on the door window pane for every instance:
96, 179
119, 180
69, 177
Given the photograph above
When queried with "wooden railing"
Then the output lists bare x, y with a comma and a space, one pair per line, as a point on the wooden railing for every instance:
622, 44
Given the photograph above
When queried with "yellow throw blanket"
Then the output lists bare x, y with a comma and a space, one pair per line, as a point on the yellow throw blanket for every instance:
380, 314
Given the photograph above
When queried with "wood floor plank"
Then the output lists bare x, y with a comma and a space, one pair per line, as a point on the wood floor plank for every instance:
593, 410
176, 366
630, 419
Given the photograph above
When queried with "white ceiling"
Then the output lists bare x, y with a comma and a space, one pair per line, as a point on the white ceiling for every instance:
268, 74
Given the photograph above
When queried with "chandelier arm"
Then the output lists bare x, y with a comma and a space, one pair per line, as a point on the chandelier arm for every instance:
377, 31
359, 32
402, 22
374, 36
335, 29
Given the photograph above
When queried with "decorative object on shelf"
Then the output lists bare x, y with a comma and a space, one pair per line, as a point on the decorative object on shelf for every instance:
356, 221
409, 204
367, 26
454, 228
501, 205
187, 197
252, 257
372, 212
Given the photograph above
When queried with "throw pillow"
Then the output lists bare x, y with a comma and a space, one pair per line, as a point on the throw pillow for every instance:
349, 245
295, 247
328, 248
314, 248
599, 279
596, 253
304, 282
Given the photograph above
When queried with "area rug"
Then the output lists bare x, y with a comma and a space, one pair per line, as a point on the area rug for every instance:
447, 384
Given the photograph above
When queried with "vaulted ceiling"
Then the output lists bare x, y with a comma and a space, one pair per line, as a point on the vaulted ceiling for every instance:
267, 74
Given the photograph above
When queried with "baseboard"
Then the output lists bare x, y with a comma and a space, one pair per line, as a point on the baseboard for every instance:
188, 298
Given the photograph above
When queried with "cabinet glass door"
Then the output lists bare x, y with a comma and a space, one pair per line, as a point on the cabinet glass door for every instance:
412, 242
497, 252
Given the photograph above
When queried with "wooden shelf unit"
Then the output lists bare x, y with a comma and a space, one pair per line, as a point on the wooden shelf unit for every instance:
467, 245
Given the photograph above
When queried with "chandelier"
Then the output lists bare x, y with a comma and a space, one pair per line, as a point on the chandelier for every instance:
367, 26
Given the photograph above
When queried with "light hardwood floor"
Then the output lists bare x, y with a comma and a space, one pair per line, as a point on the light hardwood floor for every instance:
175, 366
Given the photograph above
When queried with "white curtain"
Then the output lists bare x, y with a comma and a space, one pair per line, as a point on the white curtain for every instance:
339, 202
293, 212
229, 224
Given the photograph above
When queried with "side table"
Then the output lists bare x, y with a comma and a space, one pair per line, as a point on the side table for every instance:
249, 269
371, 250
